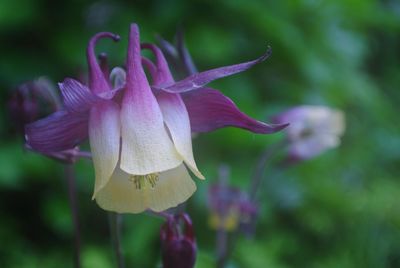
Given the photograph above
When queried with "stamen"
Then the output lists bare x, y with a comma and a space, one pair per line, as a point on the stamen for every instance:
145, 181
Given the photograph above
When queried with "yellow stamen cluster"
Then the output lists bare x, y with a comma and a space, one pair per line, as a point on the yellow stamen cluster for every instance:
144, 181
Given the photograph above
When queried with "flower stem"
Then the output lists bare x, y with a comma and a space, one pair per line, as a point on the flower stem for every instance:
115, 221
222, 235
70, 176
226, 248
263, 161
222, 248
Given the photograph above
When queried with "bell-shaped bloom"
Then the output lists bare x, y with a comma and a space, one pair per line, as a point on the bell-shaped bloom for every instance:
312, 130
178, 244
155, 141
139, 135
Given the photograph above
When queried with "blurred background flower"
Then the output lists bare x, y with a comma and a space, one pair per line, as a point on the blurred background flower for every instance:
312, 130
32, 100
339, 209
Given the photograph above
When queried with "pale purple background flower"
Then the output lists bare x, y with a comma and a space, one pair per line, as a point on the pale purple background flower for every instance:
312, 130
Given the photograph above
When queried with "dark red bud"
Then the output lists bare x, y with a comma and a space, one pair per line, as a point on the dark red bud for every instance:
178, 243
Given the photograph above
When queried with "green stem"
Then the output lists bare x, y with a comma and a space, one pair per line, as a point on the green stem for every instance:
263, 161
115, 221
256, 181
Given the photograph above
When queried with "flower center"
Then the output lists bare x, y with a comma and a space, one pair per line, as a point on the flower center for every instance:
145, 181
306, 133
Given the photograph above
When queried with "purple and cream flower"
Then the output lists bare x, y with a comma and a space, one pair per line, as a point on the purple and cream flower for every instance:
312, 130
140, 135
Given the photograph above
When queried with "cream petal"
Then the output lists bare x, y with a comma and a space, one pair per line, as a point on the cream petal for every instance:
176, 118
118, 77
173, 187
146, 147
104, 138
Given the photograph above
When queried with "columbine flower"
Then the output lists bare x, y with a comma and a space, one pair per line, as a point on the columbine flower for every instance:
140, 141
312, 130
151, 173
178, 243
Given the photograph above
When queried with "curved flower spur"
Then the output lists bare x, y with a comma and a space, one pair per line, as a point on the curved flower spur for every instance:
141, 141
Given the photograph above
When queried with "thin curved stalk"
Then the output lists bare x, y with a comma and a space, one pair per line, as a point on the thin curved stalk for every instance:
115, 221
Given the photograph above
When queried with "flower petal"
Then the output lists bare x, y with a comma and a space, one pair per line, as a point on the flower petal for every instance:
77, 97
199, 80
173, 109
104, 138
118, 77
177, 120
121, 195
146, 146
60, 131
209, 109
161, 75
312, 146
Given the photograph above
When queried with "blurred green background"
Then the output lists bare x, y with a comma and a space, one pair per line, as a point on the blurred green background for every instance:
338, 210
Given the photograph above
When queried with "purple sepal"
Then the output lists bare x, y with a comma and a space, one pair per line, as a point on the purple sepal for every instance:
76, 96
209, 110
199, 80
59, 131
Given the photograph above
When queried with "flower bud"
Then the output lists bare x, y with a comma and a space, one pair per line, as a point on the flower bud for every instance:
178, 243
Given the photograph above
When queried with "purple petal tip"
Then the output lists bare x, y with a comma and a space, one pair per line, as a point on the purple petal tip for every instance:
209, 110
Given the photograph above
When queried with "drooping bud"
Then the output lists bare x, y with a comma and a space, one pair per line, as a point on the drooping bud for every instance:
178, 243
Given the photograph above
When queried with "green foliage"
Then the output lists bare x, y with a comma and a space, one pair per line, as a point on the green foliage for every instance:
339, 210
